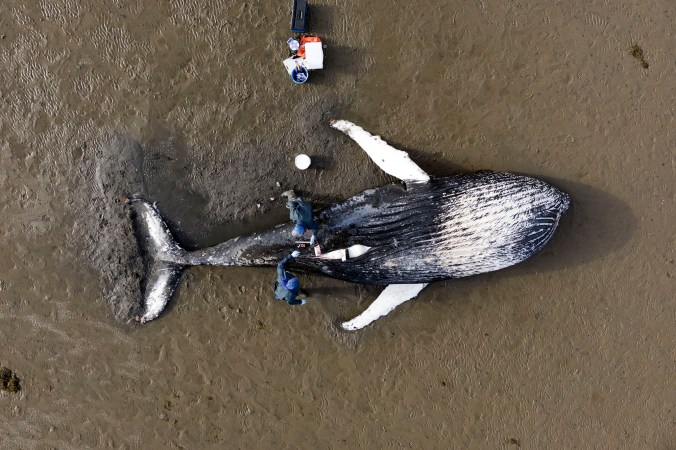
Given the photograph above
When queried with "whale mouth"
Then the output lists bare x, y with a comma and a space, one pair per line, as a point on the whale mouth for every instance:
345, 253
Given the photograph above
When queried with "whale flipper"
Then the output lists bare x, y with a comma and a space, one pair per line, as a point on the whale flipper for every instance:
391, 297
391, 160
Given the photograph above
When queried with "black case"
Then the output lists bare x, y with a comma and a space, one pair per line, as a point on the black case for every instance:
299, 16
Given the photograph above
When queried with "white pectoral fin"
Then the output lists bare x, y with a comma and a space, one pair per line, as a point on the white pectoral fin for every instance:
392, 161
391, 297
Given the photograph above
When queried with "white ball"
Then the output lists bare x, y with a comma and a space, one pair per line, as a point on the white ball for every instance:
302, 161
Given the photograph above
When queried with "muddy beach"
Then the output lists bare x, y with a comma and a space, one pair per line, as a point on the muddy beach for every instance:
187, 104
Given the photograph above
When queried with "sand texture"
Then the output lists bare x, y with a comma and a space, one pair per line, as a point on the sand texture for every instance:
187, 104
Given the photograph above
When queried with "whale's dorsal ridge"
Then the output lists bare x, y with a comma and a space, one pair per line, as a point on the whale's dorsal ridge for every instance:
392, 161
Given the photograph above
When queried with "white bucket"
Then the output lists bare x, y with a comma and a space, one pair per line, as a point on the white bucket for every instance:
302, 161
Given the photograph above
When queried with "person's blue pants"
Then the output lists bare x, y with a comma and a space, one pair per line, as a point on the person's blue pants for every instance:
299, 229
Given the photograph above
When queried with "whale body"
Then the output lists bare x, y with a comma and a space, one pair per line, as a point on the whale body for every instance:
403, 235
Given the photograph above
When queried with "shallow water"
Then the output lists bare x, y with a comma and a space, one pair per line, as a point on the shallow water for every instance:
187, 103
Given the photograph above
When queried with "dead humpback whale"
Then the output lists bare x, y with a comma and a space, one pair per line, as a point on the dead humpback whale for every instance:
403, 235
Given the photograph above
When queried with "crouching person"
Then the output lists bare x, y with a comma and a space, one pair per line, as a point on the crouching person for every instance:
300, 213
287, 286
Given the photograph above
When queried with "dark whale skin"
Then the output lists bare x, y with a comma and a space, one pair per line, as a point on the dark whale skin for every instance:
419, 233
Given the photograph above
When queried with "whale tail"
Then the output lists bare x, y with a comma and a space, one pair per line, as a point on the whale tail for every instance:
163, 259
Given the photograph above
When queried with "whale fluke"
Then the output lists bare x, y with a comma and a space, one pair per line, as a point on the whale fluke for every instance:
163, 259
391, 297
391, 160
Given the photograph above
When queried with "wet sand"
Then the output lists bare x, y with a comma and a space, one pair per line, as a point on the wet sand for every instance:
187, 103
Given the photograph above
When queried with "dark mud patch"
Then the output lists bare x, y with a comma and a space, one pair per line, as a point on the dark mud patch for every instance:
9, 381
637, 52
103, 232
167, 169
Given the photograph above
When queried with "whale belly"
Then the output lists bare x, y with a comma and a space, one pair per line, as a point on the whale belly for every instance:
493, 225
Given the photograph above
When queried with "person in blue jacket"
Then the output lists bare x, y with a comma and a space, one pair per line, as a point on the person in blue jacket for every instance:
287, 286
300, 212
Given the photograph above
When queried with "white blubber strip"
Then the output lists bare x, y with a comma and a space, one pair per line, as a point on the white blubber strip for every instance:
391, 297
392, 161
357, 250
344, 253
